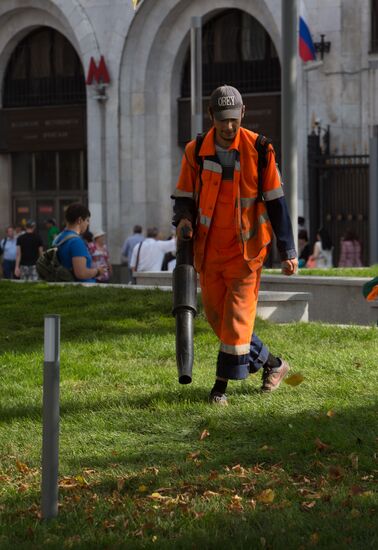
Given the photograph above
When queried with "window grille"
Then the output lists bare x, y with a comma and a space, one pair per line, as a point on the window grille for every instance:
374, 26
236, 50
44, 69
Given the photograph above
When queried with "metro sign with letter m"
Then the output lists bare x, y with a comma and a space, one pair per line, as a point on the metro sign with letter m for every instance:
98, 73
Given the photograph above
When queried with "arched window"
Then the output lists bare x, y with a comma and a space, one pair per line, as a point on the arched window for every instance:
236, 49
44, 69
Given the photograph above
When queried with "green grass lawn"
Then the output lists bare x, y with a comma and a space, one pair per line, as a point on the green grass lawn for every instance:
147, 463
371, 271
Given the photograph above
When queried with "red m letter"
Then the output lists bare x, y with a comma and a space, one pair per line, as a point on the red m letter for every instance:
99, 74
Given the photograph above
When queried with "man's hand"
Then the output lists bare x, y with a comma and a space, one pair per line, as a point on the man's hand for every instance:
289, 267
184, 230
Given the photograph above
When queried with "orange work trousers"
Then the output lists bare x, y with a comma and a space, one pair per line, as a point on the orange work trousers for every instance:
229, 290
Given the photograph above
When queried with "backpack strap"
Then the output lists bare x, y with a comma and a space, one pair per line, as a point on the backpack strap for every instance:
67, 238
199, 161
199, 141
261, 145
137, 258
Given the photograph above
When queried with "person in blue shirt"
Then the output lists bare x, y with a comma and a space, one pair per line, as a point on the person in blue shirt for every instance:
8, 246
73, 252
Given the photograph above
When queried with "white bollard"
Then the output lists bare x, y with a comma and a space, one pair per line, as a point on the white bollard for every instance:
50, 437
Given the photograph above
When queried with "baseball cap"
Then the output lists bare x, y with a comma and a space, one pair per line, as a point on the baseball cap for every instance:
30, 223
226, 102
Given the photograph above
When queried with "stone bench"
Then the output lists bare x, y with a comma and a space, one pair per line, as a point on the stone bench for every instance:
337, 300
279, 307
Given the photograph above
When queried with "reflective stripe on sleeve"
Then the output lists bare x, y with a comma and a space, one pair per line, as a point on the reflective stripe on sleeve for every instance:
273, 194
179, 193
212, 166
205, 220
240, 349
237, 165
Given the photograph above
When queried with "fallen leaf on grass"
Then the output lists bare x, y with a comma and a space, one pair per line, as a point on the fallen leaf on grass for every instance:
266, 496
204, 434
208, 494
157, 496
153, 470
108, 524
213, 474
309, 494
239, 470
142, 489
314, 538
355, 490
266, 448
320, 445
193, 456
68, 483
353, 457
21, 467
236, 504
336, 472
294, 379
309, 505
330, 413
120, 484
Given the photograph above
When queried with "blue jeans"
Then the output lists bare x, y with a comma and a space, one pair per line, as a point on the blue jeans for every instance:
8, 268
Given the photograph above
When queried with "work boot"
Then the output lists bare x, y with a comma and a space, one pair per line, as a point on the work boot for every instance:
217, 398
272, 377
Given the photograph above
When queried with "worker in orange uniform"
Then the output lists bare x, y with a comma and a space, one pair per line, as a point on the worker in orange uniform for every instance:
217, 201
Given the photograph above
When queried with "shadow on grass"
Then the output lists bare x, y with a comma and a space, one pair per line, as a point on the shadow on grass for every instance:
140, 401
285, 439
282, 446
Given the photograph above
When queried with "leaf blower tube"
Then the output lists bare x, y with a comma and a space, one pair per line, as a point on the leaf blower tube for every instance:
184, 307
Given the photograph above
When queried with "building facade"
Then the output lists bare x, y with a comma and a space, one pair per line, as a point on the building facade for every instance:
111, 132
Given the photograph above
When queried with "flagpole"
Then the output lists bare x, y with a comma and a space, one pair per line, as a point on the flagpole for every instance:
289, 146
196, 75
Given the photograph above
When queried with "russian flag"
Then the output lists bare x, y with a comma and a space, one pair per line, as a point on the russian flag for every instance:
306, 45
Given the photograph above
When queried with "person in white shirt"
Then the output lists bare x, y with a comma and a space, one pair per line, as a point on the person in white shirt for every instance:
149, 254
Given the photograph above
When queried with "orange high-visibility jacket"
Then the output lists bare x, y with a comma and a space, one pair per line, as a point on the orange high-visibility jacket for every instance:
252, 225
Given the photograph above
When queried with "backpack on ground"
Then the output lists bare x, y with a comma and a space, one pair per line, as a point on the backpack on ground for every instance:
49, 267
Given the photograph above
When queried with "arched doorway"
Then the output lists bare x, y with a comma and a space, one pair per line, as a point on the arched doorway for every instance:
237, 50
44, 131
